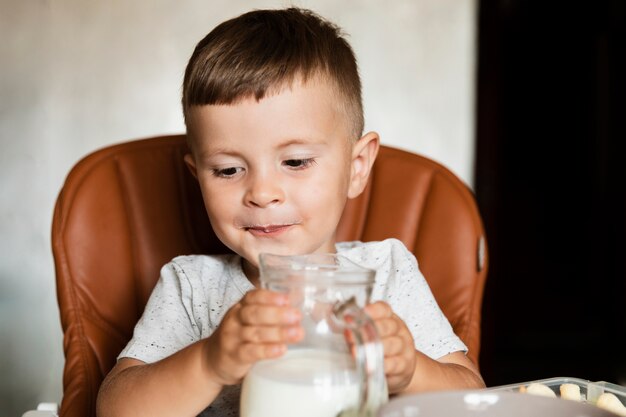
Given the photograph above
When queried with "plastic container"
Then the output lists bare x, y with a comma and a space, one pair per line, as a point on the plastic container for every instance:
486, 403
590, 391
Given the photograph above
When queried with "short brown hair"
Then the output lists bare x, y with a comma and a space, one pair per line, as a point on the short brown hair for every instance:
262, 51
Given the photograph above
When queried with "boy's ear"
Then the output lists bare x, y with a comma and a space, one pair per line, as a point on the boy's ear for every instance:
364, 153
191, 164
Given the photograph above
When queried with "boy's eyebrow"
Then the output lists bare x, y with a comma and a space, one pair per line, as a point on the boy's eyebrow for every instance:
222, 150
299, 141
217, 151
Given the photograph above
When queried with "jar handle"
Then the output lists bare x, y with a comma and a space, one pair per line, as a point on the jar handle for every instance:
368, 354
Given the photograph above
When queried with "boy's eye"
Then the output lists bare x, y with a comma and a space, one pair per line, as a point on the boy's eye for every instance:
299, 163
227, 172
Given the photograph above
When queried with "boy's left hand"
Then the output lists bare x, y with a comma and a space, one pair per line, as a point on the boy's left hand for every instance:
400, 357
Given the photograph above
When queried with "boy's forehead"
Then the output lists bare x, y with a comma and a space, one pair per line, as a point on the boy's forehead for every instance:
298, 103
318, 84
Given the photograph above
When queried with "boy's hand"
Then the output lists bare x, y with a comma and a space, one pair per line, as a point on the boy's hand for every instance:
400, 357
258, 327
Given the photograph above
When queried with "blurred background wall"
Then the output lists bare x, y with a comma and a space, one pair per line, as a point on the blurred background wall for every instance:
76, 76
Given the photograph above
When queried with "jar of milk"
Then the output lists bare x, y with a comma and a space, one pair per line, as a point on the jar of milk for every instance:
337, 369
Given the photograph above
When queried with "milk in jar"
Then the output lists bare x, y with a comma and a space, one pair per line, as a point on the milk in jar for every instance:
303, 383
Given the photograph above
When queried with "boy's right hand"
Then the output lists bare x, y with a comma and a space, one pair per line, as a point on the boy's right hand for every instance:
258, 327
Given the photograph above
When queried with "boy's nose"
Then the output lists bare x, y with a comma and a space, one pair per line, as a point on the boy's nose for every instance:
263, 192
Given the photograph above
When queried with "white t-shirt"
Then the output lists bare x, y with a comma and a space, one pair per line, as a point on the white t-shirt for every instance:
194, 292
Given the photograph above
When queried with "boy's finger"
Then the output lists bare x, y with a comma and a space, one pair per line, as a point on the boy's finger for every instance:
393, 346
264, 315
252, 352
396, 383
387, 327
378, 310
262, 296
395, 365
272, 334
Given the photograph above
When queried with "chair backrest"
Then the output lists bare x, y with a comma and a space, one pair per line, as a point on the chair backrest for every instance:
126, 210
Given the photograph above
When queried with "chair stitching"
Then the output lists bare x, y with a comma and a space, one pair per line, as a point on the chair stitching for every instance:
103, 324
423, 209
126, 204
82, 348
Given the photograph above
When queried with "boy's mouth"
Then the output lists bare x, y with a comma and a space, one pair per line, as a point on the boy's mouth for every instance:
268, 229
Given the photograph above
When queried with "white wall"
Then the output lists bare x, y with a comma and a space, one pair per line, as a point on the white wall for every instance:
77, 75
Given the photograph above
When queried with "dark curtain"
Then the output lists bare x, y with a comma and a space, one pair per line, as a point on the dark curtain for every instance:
550, 181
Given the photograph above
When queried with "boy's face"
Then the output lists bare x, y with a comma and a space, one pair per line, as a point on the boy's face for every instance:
275, 174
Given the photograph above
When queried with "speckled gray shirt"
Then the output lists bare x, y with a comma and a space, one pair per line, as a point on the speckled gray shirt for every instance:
194, 292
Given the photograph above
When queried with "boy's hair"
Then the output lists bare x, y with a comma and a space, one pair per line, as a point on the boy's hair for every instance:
262, 51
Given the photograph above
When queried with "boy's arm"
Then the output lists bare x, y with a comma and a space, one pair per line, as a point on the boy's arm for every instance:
452, 371
183, 384
180, 384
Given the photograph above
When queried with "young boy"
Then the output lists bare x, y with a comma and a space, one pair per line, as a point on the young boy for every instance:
272, 103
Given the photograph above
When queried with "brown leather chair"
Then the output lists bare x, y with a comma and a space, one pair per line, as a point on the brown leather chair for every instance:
126, 210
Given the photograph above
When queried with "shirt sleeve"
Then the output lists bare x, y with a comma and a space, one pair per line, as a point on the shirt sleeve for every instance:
167, 324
